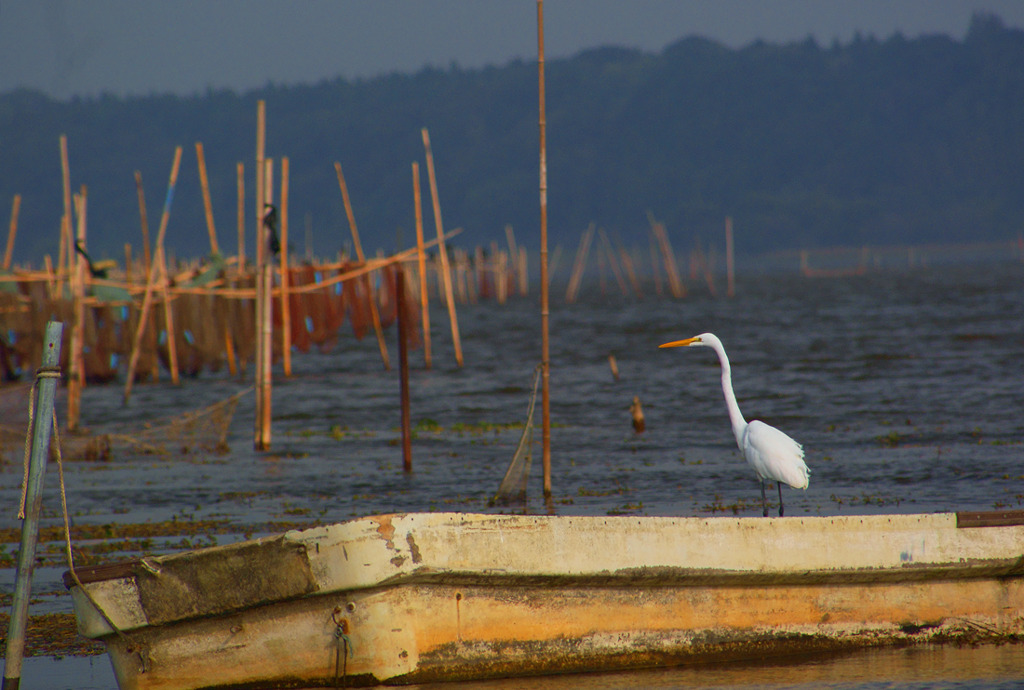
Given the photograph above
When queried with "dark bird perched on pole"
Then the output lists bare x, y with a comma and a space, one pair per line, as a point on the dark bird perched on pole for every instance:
95, 271
270, 223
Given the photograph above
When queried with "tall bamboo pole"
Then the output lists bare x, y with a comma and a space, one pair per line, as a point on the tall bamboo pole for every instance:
286, 311
240, 172
144, 220
12, 231
544, 338
157, 274
258, 431
265, 321
403, 368
442, 249
76, 370
207, 206
374, 312
422, 262
66, 239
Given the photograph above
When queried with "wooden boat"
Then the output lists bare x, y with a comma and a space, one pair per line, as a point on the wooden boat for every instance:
444, 596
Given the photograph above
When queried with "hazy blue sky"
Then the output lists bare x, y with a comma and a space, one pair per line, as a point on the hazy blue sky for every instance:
66, 47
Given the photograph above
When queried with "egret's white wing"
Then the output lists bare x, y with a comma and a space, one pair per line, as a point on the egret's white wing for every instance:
774, 455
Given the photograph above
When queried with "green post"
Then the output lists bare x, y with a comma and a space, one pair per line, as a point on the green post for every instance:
45, 391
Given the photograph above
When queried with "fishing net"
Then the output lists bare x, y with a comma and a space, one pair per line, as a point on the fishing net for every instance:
202, 430
513, 485
205, 429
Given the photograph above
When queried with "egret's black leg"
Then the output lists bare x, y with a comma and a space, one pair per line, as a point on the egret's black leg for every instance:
764, 500
779, 484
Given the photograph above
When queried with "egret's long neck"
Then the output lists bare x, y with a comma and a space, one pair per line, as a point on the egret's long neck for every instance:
739, 424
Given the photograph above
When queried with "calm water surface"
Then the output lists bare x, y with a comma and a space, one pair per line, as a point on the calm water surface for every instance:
906, 389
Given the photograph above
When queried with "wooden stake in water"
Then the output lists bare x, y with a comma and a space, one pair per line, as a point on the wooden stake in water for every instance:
286, 310
144, 220
442, 250
261, 440
207, 205
421, 256
157, 274
12, 231
367, 285
76, 360
545, 348
42, 425
403, 368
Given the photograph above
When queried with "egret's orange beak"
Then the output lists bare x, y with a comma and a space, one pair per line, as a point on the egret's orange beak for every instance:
681, 343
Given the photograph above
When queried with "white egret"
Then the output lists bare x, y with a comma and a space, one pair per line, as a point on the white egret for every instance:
772, 453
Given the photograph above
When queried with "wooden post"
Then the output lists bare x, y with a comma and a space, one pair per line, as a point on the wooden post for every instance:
205, 183
730, 266
12, 231
66, 239
374, 312
143, 219
579, 264
442, 249
260, 441
668, 256
265, 322
240, 170
45, 392
76, 359
422, 262
403, 368
286, 311
159, 267
545, 348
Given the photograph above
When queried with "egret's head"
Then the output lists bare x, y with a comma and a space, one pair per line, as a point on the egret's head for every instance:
695, 340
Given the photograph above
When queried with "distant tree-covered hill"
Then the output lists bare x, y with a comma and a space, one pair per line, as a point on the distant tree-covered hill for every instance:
876, 141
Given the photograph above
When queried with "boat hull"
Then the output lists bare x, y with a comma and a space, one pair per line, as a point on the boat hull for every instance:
403, 599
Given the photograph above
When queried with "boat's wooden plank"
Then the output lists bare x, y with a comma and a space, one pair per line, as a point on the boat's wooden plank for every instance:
98, 573
989, 518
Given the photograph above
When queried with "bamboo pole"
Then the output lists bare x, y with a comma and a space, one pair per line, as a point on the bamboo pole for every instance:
730, 265
207, 206
403, 368
143, 219
668, 256
266, 314
12, 231
579, 264
545, 347
259, 433
76, 359
442, 249
159, 267
613, 262
421, 256
286, 311
240, 172
45, 392
65, 252
374, 312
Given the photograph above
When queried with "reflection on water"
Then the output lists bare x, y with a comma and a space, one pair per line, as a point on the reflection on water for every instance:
905, 390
